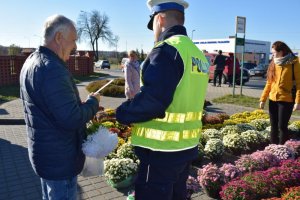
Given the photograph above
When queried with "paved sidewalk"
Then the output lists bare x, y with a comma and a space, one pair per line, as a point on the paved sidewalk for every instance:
17, 179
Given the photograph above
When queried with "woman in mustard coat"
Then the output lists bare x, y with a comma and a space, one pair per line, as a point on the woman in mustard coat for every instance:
279, 90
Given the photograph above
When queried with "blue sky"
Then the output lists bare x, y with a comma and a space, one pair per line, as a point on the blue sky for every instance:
268, 20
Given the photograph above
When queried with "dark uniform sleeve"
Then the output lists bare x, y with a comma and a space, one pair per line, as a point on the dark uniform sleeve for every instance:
162, 72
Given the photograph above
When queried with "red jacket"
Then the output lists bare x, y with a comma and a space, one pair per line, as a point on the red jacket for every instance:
230, 63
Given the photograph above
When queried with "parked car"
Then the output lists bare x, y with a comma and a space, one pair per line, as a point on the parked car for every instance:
102, 64
249, 66
211, 57
259, 70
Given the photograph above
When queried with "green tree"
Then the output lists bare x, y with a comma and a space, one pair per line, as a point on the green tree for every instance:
94, 27
14, 50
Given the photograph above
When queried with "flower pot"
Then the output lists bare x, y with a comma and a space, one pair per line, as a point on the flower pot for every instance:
122, 184
212, 193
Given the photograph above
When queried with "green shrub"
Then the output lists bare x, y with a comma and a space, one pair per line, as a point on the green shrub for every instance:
115, 89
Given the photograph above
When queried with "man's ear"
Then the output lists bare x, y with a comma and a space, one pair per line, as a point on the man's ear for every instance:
58, 37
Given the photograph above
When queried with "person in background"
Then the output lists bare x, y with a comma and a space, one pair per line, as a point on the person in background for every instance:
132, 75
219, 63
230, 63
54, 114
166, 113
279, 90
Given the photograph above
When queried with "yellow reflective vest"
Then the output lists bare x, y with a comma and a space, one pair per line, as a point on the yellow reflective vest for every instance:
181, 126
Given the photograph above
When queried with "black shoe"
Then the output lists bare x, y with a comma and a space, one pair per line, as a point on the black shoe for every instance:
219, 86
214, 85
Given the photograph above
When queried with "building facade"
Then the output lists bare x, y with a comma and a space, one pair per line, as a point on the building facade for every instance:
255, 51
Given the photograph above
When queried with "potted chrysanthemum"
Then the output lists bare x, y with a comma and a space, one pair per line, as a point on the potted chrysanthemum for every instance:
211, 179
214, 148
120, 172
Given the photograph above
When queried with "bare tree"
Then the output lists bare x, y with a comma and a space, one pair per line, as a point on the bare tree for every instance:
94, 26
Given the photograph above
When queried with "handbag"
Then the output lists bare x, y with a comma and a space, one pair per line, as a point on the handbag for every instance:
294, 89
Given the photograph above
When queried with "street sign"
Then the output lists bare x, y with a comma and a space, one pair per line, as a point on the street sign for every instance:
240, 41
240, 24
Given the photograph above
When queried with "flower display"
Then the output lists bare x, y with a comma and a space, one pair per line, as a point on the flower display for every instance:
262, 185
296, 125
294, 145
237, 189
209, 176
192, 186
252, 139
291, 193
265, 135
108, 124
281, 151
266, 159
212, 133
247, 164
234, 143
214, 148
126, 151
246, 117
292, 127
244, 127
229, 129
118, 169
260, 124
229, 172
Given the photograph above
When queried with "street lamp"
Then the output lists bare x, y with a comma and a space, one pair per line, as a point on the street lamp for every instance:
192, 34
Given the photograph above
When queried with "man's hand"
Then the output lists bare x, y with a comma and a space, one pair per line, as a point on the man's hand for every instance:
261, 105
296, 107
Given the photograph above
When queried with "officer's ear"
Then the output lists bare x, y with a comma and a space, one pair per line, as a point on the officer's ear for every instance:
161, 19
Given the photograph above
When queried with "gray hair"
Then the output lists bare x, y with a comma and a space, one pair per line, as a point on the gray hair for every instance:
54, 24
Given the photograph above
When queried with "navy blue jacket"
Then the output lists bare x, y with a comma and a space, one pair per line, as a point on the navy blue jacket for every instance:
161, 73
55, 116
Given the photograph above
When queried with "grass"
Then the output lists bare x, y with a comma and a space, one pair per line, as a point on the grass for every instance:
242, 100
8, 93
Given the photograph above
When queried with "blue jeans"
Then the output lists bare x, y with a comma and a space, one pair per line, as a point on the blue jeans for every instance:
59, 190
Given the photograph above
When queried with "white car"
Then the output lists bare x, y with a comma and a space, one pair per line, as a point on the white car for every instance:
102, 64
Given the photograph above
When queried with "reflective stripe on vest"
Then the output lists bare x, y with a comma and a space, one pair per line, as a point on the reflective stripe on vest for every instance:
181, 126
180, 117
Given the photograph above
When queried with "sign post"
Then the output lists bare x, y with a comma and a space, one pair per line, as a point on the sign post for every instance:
240, 28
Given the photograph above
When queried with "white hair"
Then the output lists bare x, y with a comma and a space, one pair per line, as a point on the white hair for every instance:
54, 24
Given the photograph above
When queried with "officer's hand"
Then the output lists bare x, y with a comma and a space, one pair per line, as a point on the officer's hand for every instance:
261, 105
296, 107
97, 96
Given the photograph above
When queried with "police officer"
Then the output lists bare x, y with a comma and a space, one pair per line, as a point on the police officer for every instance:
166, 113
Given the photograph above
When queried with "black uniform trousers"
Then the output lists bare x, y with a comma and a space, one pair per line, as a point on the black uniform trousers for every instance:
162, 175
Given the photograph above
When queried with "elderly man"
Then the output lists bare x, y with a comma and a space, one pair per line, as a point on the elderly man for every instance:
166, 113
54, 114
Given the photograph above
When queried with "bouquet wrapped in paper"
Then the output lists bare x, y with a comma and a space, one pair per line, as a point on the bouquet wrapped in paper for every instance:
95, 148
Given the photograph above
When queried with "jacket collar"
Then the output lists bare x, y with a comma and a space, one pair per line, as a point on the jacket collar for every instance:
174, 30
48, 51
